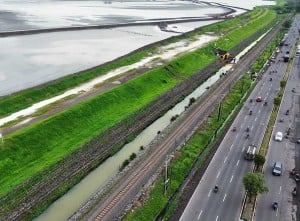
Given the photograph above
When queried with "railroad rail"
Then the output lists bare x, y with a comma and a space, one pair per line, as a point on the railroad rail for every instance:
198, 113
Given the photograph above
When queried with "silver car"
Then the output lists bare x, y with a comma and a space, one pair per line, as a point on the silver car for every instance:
277, 169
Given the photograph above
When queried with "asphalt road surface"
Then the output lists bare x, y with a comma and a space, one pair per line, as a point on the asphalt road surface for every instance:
228, 166
280, 187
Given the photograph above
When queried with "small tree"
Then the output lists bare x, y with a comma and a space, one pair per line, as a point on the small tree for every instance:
192, 100
282, 84
132, 156
259, 160
254, 184
277, 101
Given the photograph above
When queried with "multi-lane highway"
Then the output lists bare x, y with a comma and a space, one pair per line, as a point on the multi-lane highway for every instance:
280, 187
228, 166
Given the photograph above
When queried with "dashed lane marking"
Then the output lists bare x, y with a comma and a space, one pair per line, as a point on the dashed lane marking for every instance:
200, 214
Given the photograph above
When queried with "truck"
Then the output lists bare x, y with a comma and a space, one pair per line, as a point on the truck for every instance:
250, 152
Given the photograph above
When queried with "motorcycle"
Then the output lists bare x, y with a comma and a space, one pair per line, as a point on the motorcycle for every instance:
234, 129
247, 136
275, 205
293, 172
216, 188
294, 192
266, 103
250, 112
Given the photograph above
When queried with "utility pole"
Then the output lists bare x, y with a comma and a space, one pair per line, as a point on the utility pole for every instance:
167, 175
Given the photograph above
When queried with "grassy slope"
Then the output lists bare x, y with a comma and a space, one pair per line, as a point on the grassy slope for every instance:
32, 149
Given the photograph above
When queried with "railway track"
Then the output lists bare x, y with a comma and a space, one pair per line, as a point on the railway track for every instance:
196, 114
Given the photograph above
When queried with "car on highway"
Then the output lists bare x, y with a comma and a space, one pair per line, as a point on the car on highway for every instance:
259, 99
277, 168
278, 136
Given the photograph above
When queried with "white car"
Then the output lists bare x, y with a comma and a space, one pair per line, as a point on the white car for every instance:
278, 136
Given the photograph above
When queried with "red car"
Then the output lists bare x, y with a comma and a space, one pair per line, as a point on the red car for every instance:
259, 99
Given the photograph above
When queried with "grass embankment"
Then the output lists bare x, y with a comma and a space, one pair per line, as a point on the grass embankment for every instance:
28, 97
30, 150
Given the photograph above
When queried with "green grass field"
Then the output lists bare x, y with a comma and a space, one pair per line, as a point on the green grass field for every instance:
32, 149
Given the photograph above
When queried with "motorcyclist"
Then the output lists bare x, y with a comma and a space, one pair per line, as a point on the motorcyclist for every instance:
266, 102
250, 112
287, 112
275, 205
248, 129
271, 79
216, 188
247, 135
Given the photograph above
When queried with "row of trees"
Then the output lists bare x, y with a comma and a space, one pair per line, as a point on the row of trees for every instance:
254, 183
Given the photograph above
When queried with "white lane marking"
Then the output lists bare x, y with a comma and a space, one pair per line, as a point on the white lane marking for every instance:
237, 163
243, 149
200, 214
231, 146
231, 179
225, 159
270, 86
217, 218
259, 111
255, 119
224, 197
218, 174
267, 95
209, 193
236, 136
280, 190
276, 212
252, 127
